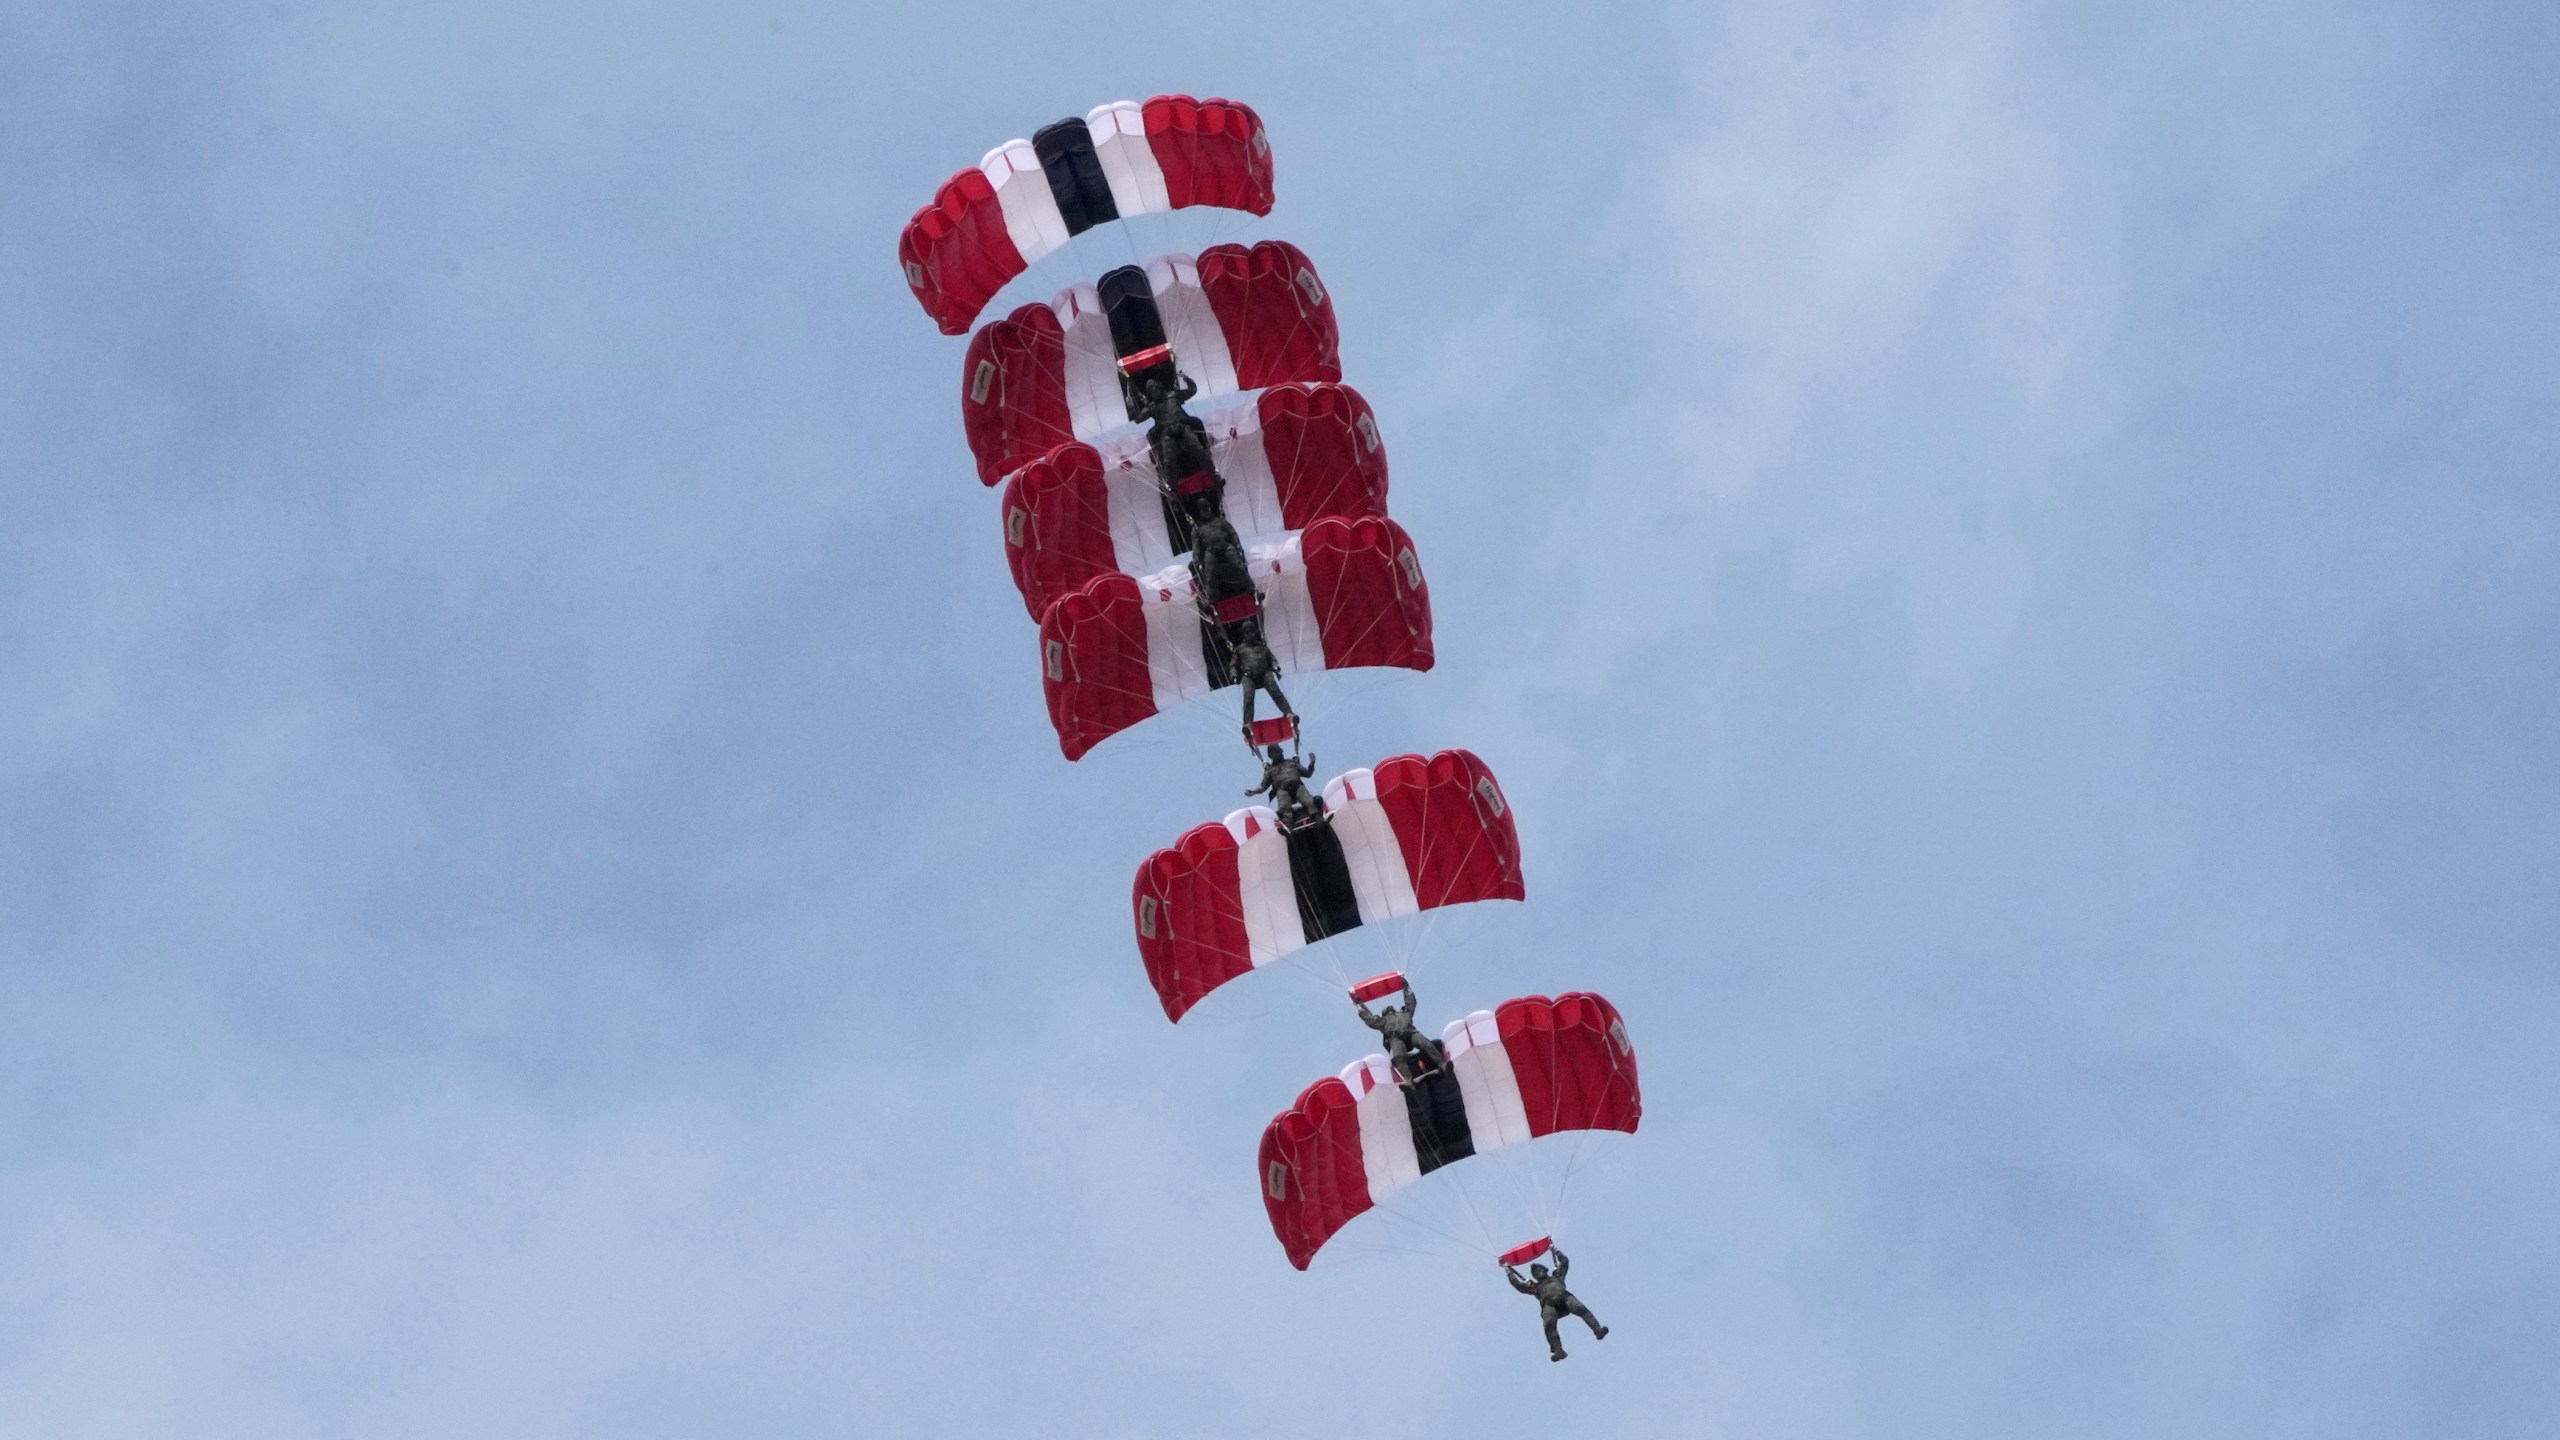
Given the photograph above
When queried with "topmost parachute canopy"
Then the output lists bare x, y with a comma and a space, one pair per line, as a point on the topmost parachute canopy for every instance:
1027, 198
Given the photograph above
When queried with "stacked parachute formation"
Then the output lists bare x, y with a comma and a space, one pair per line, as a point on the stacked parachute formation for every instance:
1192, 501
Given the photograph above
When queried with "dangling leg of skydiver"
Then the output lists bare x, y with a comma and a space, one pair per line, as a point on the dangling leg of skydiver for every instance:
1575, 1307
1399, 1058
1249, 688
1555, 1347
1409, 1061
1433, 1055
1265, 676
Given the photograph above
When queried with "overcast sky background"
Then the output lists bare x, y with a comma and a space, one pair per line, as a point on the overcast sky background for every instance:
2005, 556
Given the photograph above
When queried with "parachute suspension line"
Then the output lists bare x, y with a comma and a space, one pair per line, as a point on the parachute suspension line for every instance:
1409, 1206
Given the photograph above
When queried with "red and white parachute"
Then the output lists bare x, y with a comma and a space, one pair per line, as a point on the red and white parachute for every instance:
1523, 1081
1239, 317
1028, 198
1339, 595
1404, 836
1291, 455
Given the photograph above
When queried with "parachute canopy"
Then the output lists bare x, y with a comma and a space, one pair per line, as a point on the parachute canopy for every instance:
1028, 198
1402, 837
1525, 1069
1338, 595
1236, 318
1291, 455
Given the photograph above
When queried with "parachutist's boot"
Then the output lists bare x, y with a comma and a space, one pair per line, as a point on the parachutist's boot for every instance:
1558, 1355
1600, 1333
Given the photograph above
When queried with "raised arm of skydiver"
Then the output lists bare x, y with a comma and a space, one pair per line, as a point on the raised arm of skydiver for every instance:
1396, 1033
1423, 1045
1409, 1051
1523, 1286
1164, 402
1283, 774
1562, 1264
1284, 779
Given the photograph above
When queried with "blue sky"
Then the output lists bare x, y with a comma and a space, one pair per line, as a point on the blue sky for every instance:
2005, 557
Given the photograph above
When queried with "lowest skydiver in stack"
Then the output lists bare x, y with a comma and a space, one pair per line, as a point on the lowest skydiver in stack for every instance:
1179, 445
1412, 1053
1554, 1301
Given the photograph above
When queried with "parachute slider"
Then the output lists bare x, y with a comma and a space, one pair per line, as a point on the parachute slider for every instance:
1378, 986
1236, 607
1195, 482
1152, 355
1274, 730
1522, 1254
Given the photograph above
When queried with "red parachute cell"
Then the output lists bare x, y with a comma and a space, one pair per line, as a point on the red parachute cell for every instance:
1275, 314
958, 251
1057, 515
1013, 392
1094, 648
1321, 449
1371, 605
1212, 152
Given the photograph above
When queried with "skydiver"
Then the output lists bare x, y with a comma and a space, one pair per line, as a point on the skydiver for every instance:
1176, 441
1554, 1301
1284, 779
1258, 669
1218, 568
1409, 1051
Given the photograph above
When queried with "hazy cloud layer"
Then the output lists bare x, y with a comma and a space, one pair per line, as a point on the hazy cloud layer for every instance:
2006, 558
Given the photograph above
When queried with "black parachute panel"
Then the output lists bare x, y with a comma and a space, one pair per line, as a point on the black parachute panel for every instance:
1438, 1110
1327, 905
1075, 175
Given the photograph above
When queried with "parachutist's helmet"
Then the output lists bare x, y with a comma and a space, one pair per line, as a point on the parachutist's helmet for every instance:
1273, 751
1537, 1272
